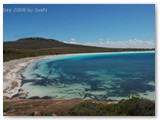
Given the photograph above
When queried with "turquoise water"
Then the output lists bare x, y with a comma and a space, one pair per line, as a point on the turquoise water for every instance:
91, 76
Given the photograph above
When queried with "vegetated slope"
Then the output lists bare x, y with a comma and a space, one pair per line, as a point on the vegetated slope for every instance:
132, 107
36, 46
34, 43
49, 107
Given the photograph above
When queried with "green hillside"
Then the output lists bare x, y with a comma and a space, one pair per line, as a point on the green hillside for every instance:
36, 46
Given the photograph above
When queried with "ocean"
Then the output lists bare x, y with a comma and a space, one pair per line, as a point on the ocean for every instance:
100, 76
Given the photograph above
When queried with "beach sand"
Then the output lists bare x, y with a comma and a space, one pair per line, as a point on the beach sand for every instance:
11, 73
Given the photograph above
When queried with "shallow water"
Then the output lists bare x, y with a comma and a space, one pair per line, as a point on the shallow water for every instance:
92, 76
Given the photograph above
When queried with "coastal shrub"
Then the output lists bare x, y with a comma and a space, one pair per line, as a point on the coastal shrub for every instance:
132, 107
46, 113
137, 107
6, 107
85, 109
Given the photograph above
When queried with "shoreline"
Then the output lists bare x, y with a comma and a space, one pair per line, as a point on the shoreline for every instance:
11, 70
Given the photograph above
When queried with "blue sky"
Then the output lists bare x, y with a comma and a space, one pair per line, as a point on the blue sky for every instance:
99, 25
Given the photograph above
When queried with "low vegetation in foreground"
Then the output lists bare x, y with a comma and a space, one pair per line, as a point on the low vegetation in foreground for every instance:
35, 46
134, 106
6, 107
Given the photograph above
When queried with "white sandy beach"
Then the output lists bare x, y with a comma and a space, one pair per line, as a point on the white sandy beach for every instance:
11, 71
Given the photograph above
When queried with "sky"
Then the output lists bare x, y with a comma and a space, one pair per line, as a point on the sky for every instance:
104, 25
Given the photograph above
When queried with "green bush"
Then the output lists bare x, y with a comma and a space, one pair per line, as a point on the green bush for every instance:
6, 107
137, 107
131, 107
46, 113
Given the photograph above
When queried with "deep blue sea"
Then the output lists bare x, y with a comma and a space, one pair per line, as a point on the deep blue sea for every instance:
104, 76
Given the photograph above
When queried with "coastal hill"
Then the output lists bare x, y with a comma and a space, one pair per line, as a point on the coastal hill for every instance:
37, 46
34, 43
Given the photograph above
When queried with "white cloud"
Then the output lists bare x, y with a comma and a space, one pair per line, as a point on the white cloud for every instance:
71, 41
131, 43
